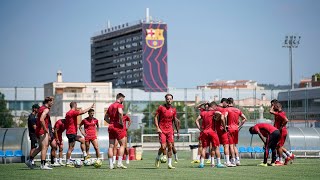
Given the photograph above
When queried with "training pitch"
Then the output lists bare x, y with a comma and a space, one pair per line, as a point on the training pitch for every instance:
145, 169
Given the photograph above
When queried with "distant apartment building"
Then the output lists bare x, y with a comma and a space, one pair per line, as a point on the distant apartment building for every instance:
83, 93
131, 55
314, 81
231, 84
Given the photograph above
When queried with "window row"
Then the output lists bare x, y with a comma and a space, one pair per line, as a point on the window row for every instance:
129, 39
127, 46
128, 58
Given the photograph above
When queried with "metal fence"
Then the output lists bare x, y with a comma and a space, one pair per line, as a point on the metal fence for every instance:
305, 102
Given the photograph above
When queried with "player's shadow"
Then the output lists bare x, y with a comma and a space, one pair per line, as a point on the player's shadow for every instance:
248, 165
146, 168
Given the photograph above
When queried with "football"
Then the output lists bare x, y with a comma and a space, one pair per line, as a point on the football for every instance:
87, 162
77, 163
163, 159
93, 162
98, 163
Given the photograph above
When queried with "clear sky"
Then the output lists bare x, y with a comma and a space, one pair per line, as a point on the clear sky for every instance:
207, 40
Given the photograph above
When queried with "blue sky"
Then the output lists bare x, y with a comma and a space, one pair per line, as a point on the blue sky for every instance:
207, 40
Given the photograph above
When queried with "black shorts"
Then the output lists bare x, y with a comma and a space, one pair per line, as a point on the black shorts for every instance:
34, 141
273, 139
72, 137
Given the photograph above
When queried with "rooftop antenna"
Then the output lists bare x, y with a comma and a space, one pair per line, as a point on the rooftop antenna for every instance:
108, 24
147, 15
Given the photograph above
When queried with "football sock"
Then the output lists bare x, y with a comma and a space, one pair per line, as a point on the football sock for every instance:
284, 155
227, 159
55, 160
169, 161
201, 160
175, 156
52, 159
233, 160
277, 159
212, 160
127, 158
43, 162
198, 157
84, 153
218, 161
114, 158
237, 158
280, 159
119, 160
110, 161
158, 157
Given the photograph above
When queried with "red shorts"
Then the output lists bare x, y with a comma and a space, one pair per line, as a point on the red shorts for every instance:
233, 136
223, 137
116, 133
165, 137
39, 133
200, 136
283, 137
210, 137
91, 138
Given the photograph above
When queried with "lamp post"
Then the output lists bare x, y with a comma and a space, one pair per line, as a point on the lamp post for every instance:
291, 42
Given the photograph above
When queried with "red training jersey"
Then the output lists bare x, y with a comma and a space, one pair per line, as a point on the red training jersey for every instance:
114, 115
90, 126
264, 128
165, 117
39, 129
71, 121
60, 126
279, 118
233, 117
218, 124
207, 119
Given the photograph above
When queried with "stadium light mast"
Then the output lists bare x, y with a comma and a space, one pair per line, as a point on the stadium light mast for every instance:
291, 42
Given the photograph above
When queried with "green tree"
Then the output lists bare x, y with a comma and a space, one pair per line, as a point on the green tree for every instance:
181, 108
6, 119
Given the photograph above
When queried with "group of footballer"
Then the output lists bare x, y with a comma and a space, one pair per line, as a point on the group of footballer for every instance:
218, 124
42, 134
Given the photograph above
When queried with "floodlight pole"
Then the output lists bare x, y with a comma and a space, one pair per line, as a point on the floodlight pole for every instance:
291, 42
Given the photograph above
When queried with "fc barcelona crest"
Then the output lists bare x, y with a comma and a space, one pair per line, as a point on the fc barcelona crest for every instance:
154, 38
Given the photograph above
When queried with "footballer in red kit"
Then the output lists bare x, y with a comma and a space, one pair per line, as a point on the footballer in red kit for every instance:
209, 136
114, 118
90, 133
220, 125
280, 122
270, 137
165, 116
71, 126
42, 133
232, 115
58, 130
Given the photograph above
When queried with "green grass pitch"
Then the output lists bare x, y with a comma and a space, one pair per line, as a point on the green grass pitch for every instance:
301, 169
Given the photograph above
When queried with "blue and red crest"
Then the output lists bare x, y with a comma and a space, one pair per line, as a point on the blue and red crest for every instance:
154, 38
